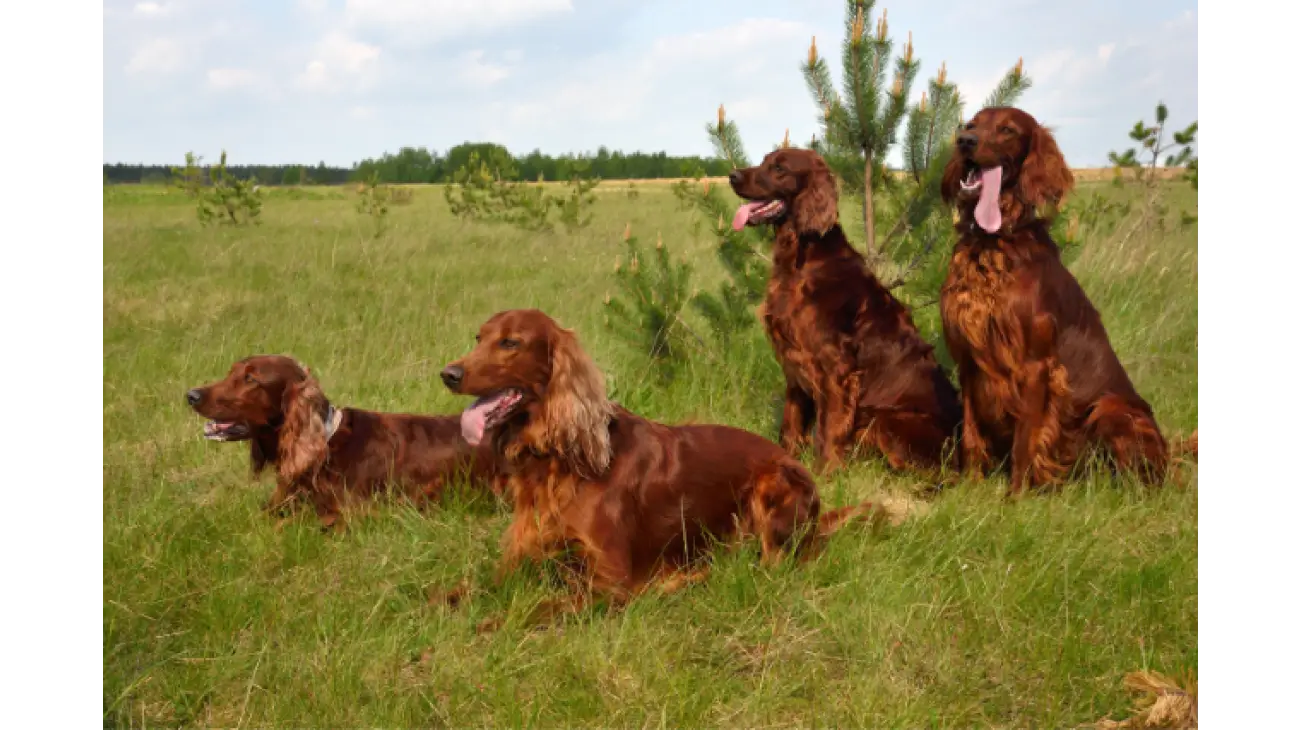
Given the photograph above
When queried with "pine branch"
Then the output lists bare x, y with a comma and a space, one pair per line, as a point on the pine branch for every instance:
914, 138
860, 72
905, 73
1014, 84
725, 136
946, 100
817, 75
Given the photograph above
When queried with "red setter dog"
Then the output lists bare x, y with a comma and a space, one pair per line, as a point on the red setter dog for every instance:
636, 500
332, 456
1038, 376
854, 362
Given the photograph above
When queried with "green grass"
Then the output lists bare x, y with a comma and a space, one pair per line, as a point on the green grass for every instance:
973, 612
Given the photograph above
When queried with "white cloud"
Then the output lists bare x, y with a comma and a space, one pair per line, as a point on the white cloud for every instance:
150, 9
158, 56
1094, 95
232, 78
316, 76
1064, 67
473, 70
313, 7
410, 20
362, 113
346, 54
340, 62
1150, 81
591, 97
749, 108
612, 88
240, 79
728, 41
974, 91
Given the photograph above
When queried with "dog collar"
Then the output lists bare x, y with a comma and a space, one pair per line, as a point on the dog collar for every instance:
333, 418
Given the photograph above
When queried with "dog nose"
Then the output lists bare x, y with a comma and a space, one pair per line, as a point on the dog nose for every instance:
967, 140
734, 177
452, 375
193, 397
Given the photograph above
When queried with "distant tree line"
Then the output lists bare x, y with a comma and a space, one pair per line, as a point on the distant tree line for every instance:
320, 174
420, 165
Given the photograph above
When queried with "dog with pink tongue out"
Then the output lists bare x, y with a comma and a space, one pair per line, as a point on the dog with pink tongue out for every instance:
858, 375
1040, 381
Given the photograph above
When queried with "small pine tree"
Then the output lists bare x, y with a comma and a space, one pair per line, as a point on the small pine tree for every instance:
1151, 141
189, 179
219, 196
860, 127
523, 205
1145, 160
744, 254
374, 203
485, 190
575, 208
470, 188
232, 200
655, 291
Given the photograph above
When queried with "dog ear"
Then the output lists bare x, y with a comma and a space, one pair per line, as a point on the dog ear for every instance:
1045, 179
303, 446
577, 410
816, 207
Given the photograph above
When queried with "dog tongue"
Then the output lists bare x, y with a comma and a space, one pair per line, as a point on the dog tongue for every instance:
987, 213
473, 420
743, 213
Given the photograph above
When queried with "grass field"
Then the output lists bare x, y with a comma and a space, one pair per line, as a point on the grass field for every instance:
973, 612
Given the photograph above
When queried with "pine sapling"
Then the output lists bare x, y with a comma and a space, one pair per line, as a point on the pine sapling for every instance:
860, 126
373, 203
1145, 160
648, 312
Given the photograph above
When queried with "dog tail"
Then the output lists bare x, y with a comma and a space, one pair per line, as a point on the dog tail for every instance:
890, 509
830, 521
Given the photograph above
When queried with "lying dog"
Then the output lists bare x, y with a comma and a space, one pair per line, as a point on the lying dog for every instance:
333, 456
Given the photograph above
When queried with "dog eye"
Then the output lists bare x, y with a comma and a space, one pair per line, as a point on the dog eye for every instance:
248, 379
778, 169
509, 344
1006, 130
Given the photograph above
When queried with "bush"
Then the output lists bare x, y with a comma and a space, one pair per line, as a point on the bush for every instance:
219, 196
655, 292
486, 190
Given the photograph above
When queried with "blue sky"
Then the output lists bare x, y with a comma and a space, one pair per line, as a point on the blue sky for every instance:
340, 80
